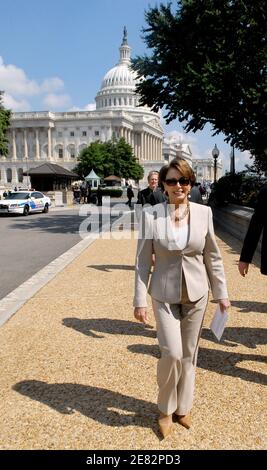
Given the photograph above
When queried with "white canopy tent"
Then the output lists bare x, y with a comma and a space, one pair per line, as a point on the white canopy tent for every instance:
93, 179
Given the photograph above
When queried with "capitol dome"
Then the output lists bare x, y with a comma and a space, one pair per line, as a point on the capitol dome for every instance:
118, 85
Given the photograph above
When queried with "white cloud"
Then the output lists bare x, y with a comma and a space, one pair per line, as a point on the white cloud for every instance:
162, 120
180, 137
50, 85
52, 101
13, 80
17, 86
177, 137
242, 159
90, 107
74, 108
15, 104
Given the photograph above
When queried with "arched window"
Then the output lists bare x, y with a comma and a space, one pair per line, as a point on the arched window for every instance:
9, 175
71, 150
20, 175
59, 151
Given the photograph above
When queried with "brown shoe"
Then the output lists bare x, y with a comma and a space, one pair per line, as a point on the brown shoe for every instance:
184, 420
165, 424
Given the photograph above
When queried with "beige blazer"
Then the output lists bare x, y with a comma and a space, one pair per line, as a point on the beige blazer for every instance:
200, 261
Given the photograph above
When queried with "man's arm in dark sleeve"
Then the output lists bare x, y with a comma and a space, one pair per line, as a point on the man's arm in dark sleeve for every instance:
254, 230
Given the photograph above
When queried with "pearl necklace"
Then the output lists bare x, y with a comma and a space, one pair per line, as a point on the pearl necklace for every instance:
178, 218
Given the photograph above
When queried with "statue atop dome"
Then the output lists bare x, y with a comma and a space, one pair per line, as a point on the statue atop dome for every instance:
125, 38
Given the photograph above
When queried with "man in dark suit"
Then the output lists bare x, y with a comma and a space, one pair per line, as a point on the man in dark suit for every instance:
258, 223
152, 194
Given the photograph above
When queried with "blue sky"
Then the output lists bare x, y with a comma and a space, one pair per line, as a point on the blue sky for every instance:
54, 55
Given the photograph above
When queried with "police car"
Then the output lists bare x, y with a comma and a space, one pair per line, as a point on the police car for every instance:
24, 202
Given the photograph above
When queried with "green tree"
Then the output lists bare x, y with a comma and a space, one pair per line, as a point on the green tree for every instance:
5, 116
208, 65
109, 158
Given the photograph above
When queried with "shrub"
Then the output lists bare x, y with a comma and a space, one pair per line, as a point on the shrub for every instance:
109, 192
241, 189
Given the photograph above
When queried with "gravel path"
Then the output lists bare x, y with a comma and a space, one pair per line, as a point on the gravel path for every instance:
77, 372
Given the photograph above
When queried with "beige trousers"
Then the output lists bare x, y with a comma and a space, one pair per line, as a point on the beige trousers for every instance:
178, 330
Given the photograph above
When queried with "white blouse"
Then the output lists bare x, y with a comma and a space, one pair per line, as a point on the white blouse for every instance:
181, 235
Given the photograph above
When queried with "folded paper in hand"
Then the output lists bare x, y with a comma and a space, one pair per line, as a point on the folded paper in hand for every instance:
218, 322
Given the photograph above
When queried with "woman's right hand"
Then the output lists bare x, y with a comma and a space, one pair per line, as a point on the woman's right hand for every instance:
140, 314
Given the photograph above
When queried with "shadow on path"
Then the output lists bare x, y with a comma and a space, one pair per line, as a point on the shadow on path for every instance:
110, 267
246, 306
249, 337
53, 223
102, 405
109, 326
221, 362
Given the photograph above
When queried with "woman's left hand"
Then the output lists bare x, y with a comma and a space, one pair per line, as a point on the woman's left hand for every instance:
224, 304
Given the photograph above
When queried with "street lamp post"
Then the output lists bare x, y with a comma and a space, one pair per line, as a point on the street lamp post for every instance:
232, 161
215, 153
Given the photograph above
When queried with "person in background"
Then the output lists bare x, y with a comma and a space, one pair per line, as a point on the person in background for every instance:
89, 193
188, 260
195, 194
257, 225
84, 192
99, 196
130, 195
152, 194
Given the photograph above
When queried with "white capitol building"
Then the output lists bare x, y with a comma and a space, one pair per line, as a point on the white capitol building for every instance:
58, 137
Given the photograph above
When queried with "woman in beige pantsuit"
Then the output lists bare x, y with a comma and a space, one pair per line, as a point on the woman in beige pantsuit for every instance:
187, 263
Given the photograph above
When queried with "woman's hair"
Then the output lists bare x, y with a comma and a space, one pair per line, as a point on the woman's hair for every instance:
178, 164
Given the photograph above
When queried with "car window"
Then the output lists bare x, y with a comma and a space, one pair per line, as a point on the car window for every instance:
18, 196
39, 195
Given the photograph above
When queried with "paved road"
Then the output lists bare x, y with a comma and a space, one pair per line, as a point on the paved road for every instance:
27, 244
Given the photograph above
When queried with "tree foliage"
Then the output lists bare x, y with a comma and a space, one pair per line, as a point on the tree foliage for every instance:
208, 64
5, 116
241, 188
109, 158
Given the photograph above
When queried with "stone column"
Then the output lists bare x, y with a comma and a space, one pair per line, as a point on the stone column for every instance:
14, 146
158, 158
154, 156
52, 143
146, 147
14, 175
142, 146
26, 153
49, 143
3, 175
132, 140
37, 145
135, 145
